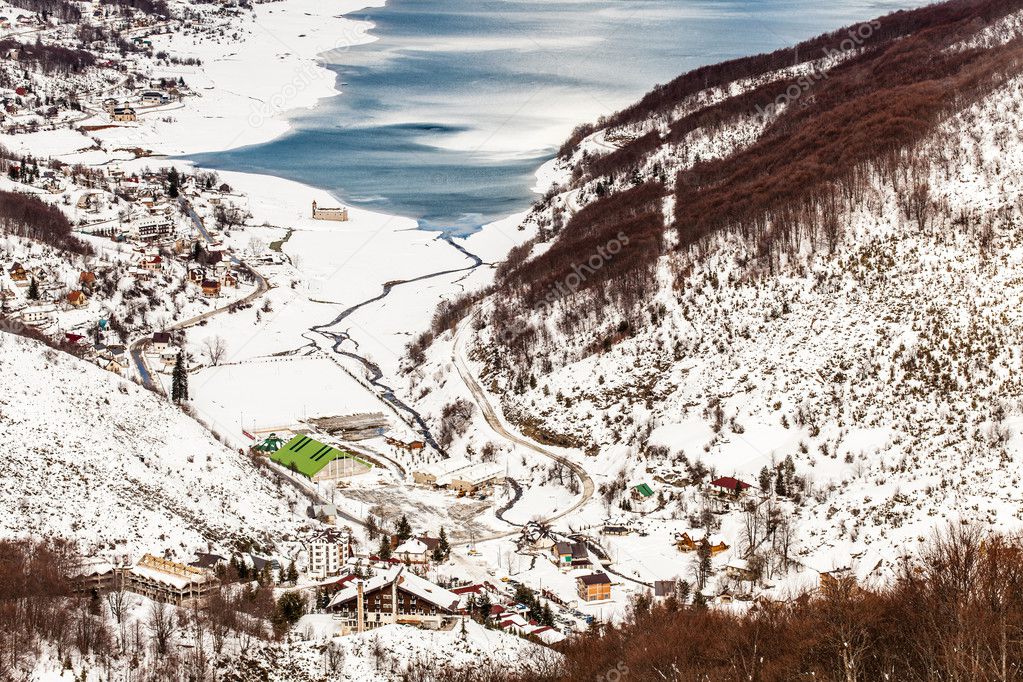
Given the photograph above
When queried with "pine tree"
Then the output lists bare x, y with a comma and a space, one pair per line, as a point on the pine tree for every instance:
443, 545
484, 607
765, 479
179, 380
33, 290
292, 574
403, 529
172, 183
385, 548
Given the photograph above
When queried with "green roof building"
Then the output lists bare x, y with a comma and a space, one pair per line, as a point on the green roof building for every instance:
644, 490
309, 457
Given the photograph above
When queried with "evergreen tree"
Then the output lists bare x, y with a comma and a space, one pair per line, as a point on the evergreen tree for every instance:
33, 290
292, 573
179, 380
172, 183
443, 545
384, 552
403, 529
779, 485
765, 479
483, 606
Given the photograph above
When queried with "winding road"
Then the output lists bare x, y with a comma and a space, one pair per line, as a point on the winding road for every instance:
490, 414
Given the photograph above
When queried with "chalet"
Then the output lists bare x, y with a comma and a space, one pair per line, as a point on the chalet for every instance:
328, 551
168, 581
642, 492
123, 114
77, 299
413, 446
687, 543
727, 485
210, 288
338, 213
196, 275
152, 264
615, 530
593, 587
394, 595
160, 341
109, 104
87, 279
18, 273
569, 555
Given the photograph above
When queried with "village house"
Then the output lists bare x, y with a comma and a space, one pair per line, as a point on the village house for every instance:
160, 342
593, 587
18, 274
739, 569
336, 213
77, 299
393, 595
687, 543
87, 279
328, 551
570, 555
642, 492
153, 97
729, 486
168, 581
123, 115
151, 263
208, 562
664, 590
38, 315
115, 364
210, 288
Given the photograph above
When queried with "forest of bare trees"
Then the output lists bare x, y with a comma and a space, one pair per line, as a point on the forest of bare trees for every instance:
953, 613
28, 216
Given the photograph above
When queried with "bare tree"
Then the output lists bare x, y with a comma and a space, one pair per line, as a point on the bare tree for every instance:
162, 622
214, 348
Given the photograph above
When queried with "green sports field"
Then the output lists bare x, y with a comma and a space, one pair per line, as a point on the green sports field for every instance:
308, 456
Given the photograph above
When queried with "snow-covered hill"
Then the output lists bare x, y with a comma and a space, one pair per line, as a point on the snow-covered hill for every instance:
871, 335
101, 461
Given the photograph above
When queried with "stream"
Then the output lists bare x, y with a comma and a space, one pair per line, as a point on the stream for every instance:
374, 374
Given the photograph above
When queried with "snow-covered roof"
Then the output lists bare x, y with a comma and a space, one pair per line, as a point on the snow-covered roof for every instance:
477, 473
408, 581
445, 466
411, 546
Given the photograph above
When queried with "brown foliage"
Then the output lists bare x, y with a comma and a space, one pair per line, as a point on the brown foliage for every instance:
954, 614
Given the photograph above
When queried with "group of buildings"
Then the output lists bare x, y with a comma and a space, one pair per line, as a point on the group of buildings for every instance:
459, 475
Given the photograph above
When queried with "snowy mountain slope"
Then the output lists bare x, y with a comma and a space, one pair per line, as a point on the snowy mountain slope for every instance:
874, 339
104, 462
